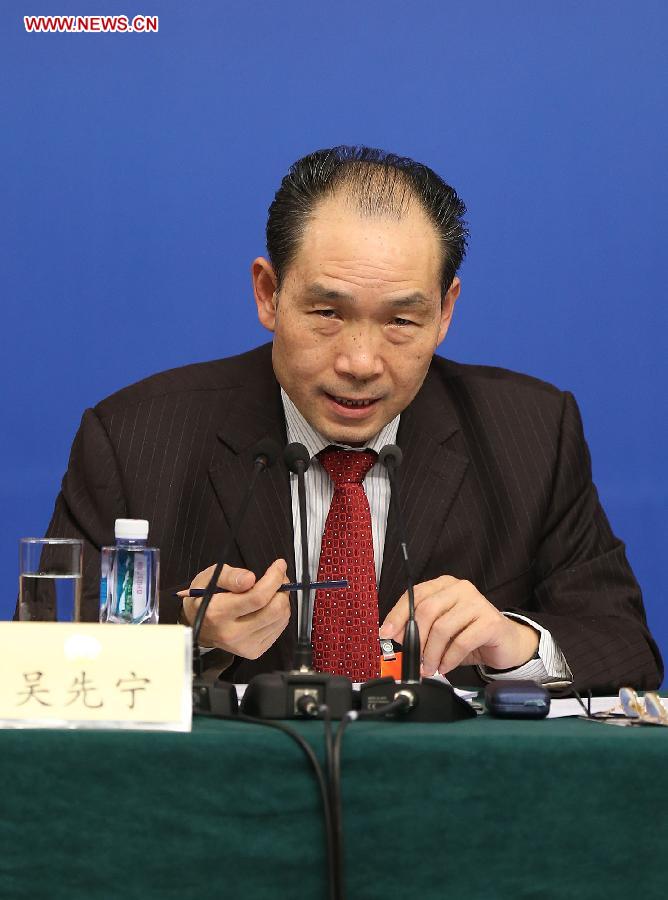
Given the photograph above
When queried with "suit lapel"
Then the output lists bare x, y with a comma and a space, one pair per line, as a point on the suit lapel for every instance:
429, 480
266, 533
252, 413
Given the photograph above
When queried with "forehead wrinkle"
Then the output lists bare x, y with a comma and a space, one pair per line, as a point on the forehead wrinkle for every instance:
378, 274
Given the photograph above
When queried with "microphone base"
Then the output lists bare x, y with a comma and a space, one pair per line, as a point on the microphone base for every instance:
215, 699
434, 701
275, 695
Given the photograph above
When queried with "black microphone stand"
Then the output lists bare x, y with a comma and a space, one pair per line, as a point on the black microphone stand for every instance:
299, 693
212, 697
304, 652
424, 699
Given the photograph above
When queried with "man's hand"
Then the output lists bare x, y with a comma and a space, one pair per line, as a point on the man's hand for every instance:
247, 620
460, 627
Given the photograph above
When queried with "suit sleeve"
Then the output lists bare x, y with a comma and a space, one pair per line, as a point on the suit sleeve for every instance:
585, 593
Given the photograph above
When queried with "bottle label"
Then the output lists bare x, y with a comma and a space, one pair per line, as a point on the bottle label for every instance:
139, 586
124, 584
104, 585
131, 580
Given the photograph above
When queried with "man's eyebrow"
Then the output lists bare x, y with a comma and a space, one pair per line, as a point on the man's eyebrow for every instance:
416, 299
323, 293
410, 300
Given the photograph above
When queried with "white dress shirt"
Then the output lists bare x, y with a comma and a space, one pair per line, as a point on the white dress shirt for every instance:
549, 665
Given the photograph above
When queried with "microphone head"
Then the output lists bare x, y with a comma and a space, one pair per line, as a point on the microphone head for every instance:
294, 454
390, 454
267, 452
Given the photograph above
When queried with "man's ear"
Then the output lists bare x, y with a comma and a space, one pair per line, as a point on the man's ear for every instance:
448, 308
264, 288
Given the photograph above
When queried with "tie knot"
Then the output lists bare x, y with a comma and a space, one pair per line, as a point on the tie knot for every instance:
346, 466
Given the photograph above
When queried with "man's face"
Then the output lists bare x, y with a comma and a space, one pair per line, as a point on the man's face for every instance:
357, 319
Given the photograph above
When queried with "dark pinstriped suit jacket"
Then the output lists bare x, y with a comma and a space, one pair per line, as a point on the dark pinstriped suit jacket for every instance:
495, 487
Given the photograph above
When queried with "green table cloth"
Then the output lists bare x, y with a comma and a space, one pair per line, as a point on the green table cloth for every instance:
477, 809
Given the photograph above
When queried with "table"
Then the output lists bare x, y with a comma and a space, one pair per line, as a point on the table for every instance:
477, 809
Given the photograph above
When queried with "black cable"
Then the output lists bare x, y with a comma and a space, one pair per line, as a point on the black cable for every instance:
322, 784
330, 788
335, 812
401, 703
210, 589
329, 741
336, 804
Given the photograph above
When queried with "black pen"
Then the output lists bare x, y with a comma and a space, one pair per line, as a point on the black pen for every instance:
293, 586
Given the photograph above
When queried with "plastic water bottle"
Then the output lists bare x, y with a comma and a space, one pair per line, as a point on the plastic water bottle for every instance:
129, 583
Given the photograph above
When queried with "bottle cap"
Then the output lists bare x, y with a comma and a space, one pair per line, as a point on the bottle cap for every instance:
131, 529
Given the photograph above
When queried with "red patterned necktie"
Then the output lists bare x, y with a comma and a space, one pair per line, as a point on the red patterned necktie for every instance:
345, 622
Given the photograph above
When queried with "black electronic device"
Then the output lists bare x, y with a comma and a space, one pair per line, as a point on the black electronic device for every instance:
299, 693
510, 698
425, 699
217, 699
213, 697
428, 700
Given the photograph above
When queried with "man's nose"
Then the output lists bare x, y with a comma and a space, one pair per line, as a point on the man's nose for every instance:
358, 356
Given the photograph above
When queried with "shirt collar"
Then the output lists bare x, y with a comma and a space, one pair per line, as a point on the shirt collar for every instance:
298, 429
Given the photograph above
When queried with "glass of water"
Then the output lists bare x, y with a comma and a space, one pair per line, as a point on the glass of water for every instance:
50, 579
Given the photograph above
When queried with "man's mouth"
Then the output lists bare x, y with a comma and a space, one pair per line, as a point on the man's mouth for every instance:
354, 405
344, 401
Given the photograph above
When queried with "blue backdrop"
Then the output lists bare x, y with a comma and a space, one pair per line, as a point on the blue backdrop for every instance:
137, 170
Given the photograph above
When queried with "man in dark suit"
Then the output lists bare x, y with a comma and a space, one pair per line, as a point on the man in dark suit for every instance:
518, 570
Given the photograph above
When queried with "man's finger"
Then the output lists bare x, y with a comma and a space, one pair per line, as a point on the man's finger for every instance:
249, 635
465, 644
265, 636
395, 621
275, 609
433, 608
235, 580
260, 593
443, 631
230, 579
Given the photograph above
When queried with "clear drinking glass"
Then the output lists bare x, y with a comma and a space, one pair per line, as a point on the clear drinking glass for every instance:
50, 572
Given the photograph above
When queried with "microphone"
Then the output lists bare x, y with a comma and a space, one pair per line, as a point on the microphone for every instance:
219, 698
424, 699
391, 457
294, 455
297, 459
300, 692
265, 454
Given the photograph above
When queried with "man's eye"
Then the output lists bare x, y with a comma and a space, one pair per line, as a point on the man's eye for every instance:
402, 322
326, 313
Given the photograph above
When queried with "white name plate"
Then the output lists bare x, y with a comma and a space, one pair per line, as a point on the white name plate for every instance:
63, 675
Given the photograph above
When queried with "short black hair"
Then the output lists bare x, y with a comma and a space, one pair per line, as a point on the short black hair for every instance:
379, 183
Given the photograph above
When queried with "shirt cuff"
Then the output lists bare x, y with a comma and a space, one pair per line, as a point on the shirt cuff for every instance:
550, 665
